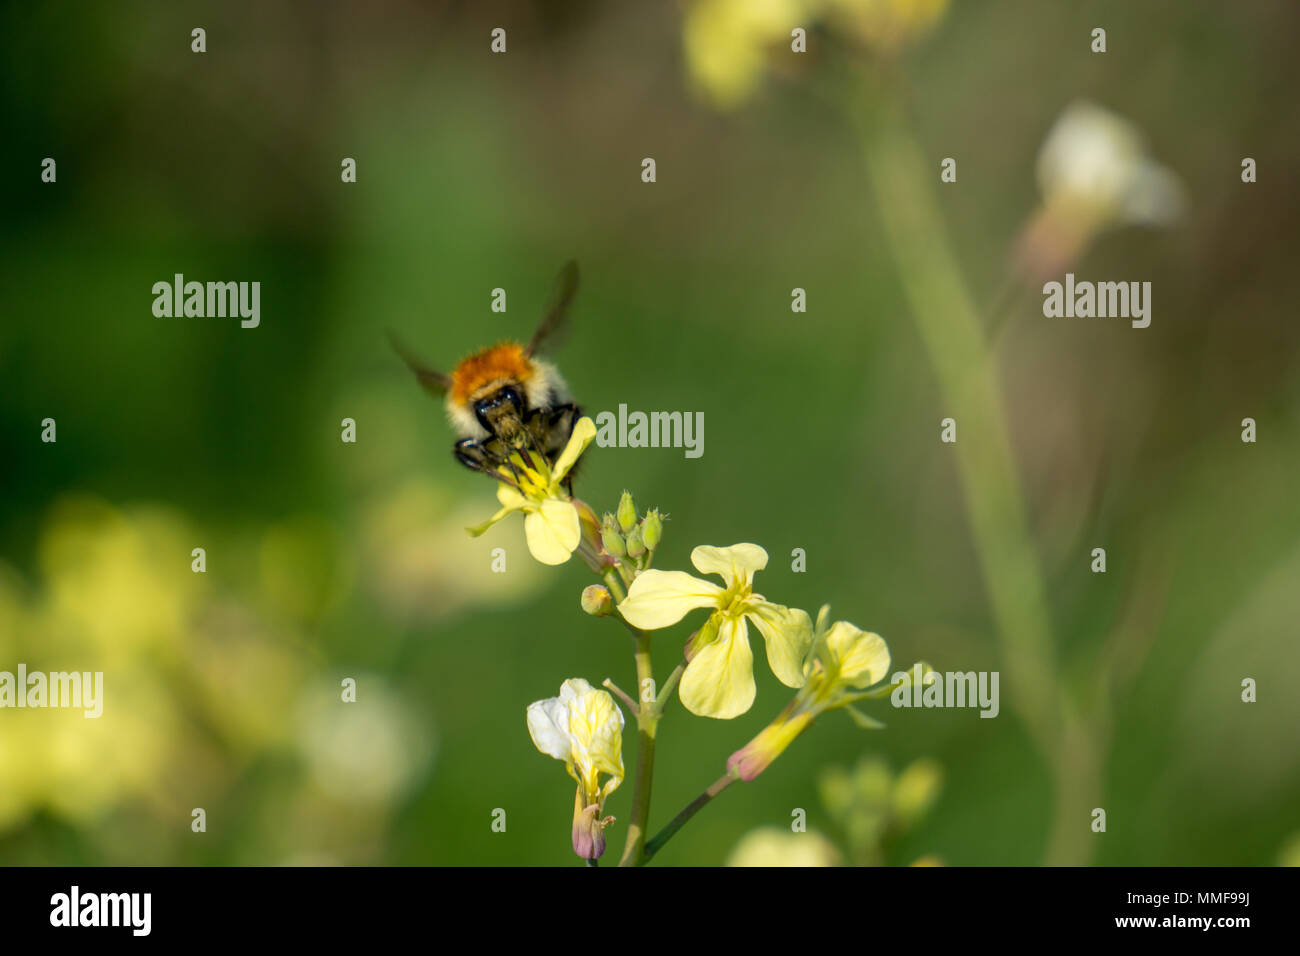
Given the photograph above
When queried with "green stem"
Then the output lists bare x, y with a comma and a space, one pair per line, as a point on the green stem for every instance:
647, 722
615, 585
692, 808
669, 686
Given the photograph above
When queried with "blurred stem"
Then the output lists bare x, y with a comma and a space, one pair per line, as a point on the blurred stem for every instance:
954, 338
692, 808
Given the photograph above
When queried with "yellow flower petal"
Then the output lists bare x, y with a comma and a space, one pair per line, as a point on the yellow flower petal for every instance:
719, 680
553, 531
477, 530
596, 729
510, 498
788, 634
863, 656
583, 432
736, 563
661, 598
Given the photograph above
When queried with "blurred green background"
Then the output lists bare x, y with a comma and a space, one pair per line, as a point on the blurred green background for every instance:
475, 171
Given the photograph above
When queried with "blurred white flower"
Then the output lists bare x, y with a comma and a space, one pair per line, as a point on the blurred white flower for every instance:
1093, 168
370, 751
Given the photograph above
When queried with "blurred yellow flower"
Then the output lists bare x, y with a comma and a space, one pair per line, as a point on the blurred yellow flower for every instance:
551, 523
719, 676
872, 805
731, 44
772, 846
884, 26
727, 44
583, 727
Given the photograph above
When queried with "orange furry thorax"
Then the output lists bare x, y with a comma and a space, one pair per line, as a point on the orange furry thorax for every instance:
497, 363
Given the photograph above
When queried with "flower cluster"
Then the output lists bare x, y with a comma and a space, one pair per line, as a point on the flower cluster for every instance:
832, 665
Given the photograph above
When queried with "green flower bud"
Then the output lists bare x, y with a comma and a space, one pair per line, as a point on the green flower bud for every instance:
609, 522
612, 542
626, 512
635, 545
596, 600
652, 530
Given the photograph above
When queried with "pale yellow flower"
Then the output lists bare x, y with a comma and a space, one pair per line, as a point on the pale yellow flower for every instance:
551, 523
584, 728
775, 846
719, 677
842, 667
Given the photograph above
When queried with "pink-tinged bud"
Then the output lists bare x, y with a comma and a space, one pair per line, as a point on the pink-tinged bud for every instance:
589, 831
753, 758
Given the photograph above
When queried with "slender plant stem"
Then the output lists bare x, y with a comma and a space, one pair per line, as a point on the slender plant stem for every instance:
623, 695
692, 808
965, 366
666, 693
647, 721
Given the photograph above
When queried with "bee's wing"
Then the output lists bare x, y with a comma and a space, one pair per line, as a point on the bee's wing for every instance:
556, 315
435, 383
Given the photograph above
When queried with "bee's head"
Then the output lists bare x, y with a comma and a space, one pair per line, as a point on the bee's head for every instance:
489, 392
501, 410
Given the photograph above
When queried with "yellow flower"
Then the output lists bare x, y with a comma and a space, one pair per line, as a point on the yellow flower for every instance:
584, 728
532, 486
719, 678
844, 663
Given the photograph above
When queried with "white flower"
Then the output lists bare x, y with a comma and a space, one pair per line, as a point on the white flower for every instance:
583, 727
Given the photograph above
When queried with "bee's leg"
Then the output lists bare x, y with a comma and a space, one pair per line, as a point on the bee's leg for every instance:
559, 429
479, 456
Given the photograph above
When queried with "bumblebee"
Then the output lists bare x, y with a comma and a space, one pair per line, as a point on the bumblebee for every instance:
504, 400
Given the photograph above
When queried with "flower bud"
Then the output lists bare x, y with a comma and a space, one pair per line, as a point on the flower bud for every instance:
612, 542
753, 758
652, 530
609, 522
635, 545
626, 512
596, 600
